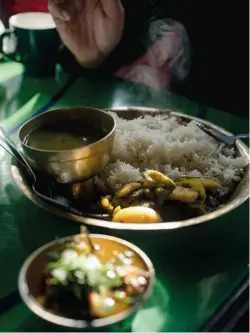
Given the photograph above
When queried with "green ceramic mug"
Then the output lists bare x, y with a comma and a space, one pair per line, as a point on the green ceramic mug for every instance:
36, 43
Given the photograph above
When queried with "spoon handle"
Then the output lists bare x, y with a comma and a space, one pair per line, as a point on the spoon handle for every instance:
17, 154
7, 138
84, 230
242, 136
9, 151
65, 207
54, 202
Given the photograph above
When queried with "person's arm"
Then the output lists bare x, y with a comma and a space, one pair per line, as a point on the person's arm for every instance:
150, 52
130, 46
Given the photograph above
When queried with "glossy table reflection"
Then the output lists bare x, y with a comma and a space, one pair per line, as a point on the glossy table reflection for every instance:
194, 275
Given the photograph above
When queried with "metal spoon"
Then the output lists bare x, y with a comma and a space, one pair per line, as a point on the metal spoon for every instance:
15, 153
84, 230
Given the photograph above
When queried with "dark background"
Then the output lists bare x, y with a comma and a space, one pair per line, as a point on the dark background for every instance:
243, 324
219, 36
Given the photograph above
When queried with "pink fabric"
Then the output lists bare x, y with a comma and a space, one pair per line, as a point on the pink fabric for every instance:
154, 69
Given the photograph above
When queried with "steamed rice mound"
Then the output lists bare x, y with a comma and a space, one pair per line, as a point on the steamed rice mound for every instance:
164, 144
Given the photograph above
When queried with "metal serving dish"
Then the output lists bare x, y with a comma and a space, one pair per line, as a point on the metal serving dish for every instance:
240, 195
71, 165
32, 273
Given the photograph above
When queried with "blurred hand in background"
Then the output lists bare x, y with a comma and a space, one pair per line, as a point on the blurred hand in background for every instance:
90, 29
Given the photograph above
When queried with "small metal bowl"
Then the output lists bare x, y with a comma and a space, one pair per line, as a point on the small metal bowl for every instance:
31, 275
71, 165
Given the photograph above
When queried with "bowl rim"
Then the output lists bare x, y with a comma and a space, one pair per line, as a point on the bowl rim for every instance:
40, 311
74, 150
164, 226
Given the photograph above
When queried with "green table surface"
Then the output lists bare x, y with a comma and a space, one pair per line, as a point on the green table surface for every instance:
21, 96
196, 270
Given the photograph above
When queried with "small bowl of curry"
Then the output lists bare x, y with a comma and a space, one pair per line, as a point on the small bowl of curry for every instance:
70, 145
69, 283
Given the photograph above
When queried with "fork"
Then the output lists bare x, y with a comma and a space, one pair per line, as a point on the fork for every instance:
228, 140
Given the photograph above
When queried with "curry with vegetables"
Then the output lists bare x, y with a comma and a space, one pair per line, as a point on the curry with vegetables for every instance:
82, 283
142, 202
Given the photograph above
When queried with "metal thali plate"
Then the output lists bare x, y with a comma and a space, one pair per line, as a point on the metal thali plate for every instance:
241, 194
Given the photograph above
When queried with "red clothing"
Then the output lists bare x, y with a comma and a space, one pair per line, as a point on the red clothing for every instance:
21, 6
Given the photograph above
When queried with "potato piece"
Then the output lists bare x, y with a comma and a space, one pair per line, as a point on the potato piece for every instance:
210, 184
196, 185
183, 194
137, 214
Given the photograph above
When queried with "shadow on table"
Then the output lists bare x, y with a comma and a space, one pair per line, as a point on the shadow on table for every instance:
21, 89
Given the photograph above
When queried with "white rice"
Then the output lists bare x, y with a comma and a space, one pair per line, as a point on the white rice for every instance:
163, 144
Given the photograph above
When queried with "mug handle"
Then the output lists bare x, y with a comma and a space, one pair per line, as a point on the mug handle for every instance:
12, 56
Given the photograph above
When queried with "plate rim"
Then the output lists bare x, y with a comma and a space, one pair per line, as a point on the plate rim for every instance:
93, 222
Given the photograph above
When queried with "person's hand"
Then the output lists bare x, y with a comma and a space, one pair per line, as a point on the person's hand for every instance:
90, 29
